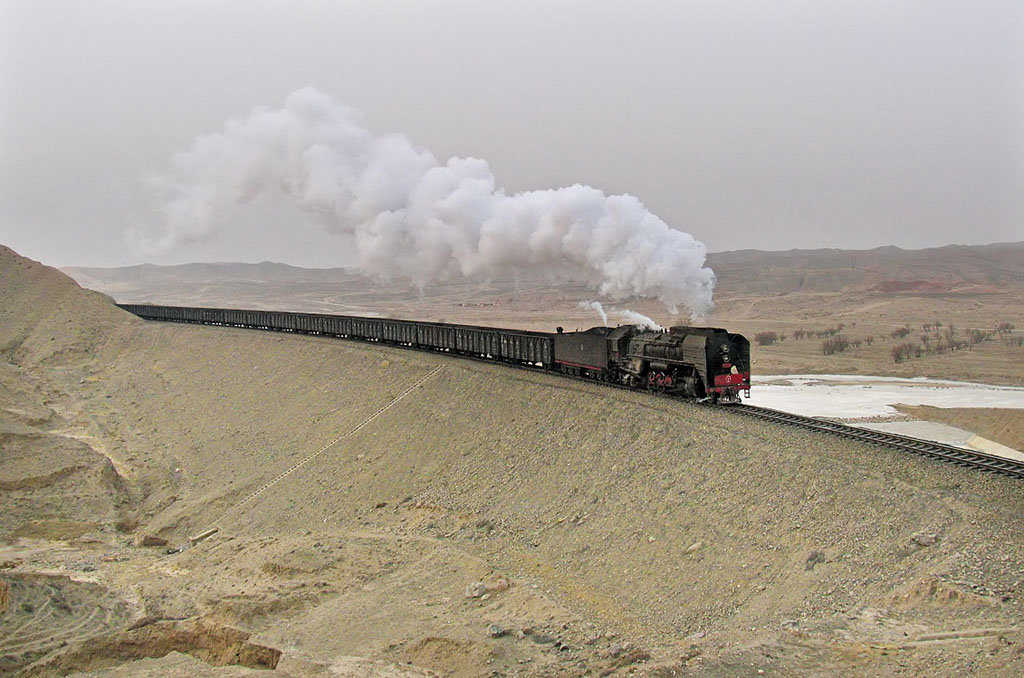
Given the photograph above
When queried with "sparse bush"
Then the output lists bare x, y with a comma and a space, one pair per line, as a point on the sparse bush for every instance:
978, 336
904, 351
900, 332
869, 340
1005, 332
799, 334
836, 344
766, 338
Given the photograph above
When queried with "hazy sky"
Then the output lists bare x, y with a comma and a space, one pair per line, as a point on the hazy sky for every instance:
753, 124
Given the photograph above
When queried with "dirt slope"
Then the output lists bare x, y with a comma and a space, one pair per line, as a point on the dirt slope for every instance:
53, 471
488, 521
46, 318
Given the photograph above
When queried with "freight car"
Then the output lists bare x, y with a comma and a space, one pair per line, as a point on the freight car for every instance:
696, 362
513, 346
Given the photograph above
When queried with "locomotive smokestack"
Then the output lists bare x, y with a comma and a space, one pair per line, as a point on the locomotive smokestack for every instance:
410, 215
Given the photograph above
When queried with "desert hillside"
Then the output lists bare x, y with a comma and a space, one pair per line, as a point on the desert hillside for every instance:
387, 512
43, 319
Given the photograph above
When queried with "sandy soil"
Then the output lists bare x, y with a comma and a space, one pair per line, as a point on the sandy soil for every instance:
489, 522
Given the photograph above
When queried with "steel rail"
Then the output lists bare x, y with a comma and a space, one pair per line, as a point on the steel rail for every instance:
948, 453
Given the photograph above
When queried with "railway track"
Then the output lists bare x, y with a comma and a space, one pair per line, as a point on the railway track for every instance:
927, 448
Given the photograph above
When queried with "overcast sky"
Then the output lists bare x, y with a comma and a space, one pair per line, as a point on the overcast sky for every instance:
749, 124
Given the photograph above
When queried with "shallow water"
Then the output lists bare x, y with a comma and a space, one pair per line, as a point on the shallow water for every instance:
846, 396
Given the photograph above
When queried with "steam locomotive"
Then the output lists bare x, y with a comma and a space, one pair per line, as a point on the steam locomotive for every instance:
695, 362
706, 363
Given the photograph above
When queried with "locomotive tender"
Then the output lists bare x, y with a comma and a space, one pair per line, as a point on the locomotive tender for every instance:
706, 363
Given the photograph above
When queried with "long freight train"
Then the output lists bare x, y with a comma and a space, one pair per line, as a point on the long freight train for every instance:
694, 362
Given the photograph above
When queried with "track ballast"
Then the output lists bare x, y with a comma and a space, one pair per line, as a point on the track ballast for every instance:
927, 448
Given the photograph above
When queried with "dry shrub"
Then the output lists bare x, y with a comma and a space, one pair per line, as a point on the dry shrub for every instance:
836, 344
904, 351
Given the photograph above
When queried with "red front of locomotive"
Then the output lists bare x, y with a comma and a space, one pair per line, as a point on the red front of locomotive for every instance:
729, 368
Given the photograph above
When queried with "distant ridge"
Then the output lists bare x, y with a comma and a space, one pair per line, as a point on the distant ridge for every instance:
886, 270
264, 271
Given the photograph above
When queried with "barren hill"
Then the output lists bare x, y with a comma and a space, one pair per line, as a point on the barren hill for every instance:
486, 521
46, 317
883, 269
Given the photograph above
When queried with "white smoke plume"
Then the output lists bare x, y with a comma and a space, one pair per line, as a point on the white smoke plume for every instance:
634, 318
410, 215
596, 306
631, 317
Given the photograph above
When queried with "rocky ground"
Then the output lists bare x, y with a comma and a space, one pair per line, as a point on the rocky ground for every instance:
488, 522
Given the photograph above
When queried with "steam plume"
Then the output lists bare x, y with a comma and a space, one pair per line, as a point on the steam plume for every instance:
410, 216
596, 306
631, 317
634, 318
